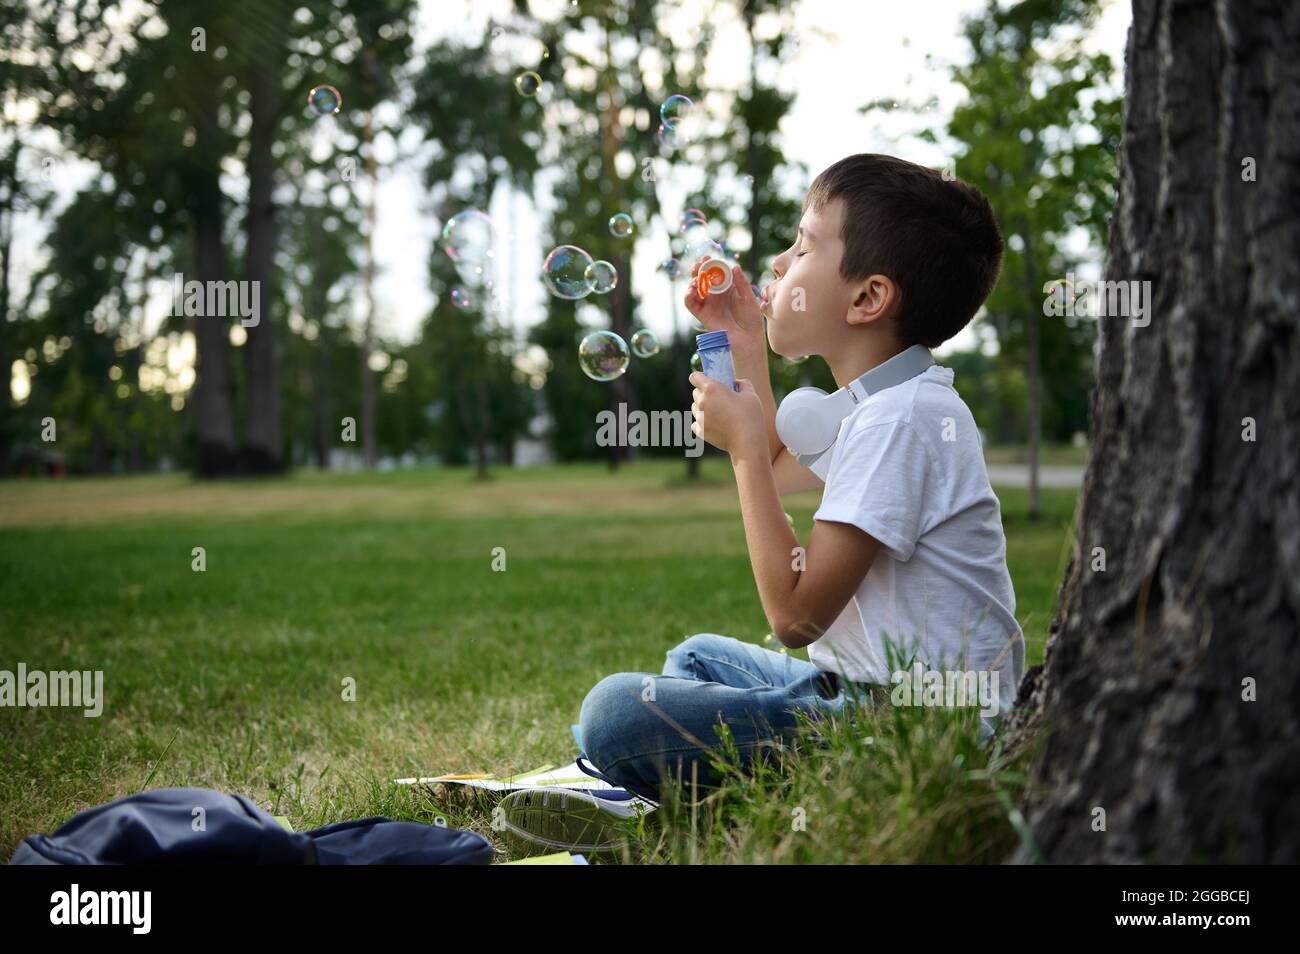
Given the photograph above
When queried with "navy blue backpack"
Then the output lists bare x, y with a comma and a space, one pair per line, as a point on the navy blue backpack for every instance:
158, 827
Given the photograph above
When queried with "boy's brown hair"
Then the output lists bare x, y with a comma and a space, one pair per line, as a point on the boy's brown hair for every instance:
936, 238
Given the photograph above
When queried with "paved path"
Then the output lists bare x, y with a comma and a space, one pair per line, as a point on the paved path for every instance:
1017, 475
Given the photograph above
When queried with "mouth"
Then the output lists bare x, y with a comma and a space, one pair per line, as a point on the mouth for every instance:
765, 300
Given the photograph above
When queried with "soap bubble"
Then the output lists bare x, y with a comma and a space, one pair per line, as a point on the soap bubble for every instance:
324, 100
602, 276
692, 217
565, 272
528, 83
672, 268
602, 356
621, 225
797, 359
675, 109
696, 363
469, 237
461, 298
681, 119
645, 343
669, 138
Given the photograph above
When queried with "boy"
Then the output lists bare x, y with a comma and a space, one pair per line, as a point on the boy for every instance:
906, 561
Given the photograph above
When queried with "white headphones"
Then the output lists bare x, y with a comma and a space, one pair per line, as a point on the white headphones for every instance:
808, 420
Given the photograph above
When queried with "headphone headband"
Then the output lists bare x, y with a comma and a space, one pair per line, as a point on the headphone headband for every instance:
808, 420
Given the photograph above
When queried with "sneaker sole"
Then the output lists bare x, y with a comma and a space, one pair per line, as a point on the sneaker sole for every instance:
557, 820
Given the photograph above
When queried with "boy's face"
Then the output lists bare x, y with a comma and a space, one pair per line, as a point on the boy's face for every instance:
807, 304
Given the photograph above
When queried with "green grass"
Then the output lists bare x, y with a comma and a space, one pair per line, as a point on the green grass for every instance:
232, 678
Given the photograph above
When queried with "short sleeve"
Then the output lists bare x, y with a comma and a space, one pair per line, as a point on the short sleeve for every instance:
877, 482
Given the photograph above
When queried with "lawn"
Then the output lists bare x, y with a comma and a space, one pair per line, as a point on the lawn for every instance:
233, 678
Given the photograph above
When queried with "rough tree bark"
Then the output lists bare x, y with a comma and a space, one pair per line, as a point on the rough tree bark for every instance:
1142, 705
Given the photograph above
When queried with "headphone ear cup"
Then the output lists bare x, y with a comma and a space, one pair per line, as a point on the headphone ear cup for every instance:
803, 425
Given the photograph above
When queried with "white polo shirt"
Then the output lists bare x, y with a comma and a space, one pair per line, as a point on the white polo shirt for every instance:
908, 468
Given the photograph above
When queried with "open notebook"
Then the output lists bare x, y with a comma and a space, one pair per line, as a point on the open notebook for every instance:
617, 800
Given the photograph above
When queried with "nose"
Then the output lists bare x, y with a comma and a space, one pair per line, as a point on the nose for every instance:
778, 264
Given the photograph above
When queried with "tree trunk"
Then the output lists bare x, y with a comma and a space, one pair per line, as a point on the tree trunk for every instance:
368, 445
1168, 697
1035, 422
213, 400
261, 353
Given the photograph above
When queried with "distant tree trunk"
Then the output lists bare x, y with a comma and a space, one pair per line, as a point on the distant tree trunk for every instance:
320, 399
265, 434
368, 337
1168, 697
1035, 422
213, 400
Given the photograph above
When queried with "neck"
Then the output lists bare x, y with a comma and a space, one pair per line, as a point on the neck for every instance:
850, 364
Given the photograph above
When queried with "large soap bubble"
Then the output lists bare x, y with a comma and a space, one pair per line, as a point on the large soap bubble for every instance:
603, 356
603, 277
565, 272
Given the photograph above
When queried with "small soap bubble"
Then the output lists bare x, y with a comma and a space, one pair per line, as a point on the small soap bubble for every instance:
528, 83
672, 268
696, 363
469, 238
675, 109
621, 225
692, 217
324, 100
602, 356
461, 298
645, 343
565, 272
681, 120
602, 276
668, 137
797, 359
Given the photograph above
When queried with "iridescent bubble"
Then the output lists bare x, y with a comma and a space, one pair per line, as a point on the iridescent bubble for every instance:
676, 108
797, 359
324, 100
565, 272
621, 225
602, 355
469, 237
671, 267
696, 363
668, 137
681, 118
603, 277
461, 298
528, 83
691, 216
645, 343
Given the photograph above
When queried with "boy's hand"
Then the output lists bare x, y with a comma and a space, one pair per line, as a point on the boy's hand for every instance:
735, 311
732, 421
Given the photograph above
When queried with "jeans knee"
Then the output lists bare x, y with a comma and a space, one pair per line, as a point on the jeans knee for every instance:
682, 659
608, 715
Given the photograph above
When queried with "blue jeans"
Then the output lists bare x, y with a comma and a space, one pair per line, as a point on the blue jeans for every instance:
643, 730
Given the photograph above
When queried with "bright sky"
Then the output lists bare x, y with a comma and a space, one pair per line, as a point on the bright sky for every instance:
848, 54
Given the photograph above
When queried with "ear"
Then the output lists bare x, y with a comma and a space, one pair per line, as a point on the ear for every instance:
874, 298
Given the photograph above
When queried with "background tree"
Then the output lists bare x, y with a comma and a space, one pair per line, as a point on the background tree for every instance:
1037, 133
1167, 698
